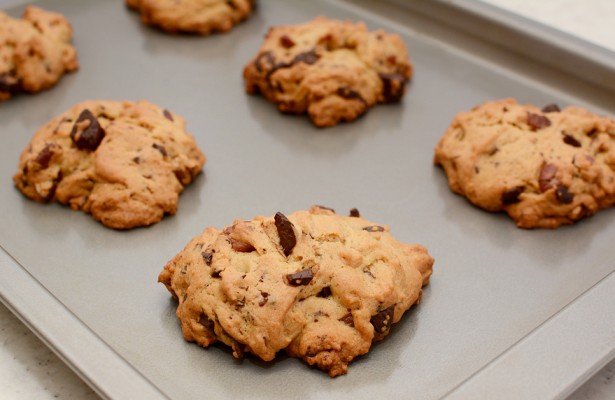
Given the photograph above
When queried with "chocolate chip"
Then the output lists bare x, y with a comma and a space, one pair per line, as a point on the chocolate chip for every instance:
266, 57
511, 196
160, 148
207, 323
547, 178
44, 157
537, 121
137, 160
551, 108
563, 195
54, 186
264, 300
8, 83
286, 42
325, 292
374, 228
347, 319
231, 4
87, 132
354, 213
392, 87
207, 256
167, 114
242, 247
592, 132
349, 94
569, 139
493, 150
308, 57
326, 208
238, 350
300, 278
382, 322
286, 232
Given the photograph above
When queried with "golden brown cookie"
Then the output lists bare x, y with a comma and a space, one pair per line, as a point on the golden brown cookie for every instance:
124, 162
35, 51
332, 70
320, 286
544, 167
193, 16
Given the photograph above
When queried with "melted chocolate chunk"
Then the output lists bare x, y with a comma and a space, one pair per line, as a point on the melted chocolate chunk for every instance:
266, 57
207, 257
325, 292
54, 186
537, 121
44, 157
392, 87
207, 323
240, 246
87, 132
547, 177
160, 148
300, 278
354, 213
167, 114
286, 232
551, 108
374, 228
8, 83
347, 319
326, 208
382, 322
286, 41
264, 300
511, 196
569, 139
563, 195
349, 94
308, 57
231, 4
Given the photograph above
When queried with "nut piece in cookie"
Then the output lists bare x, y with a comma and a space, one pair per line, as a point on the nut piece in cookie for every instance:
332, 70
544, 167
35, 51
123, 162
320, 286
200, 17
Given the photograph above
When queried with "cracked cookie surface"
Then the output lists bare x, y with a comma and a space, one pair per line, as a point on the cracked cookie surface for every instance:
123, 162
320, 286
544, 167
193, 16
35, 51
332, 70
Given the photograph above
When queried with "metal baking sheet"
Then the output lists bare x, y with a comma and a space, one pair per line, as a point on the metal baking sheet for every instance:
502, 302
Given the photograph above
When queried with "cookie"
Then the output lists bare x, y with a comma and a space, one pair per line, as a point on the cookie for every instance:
544, 167
35, 51
320, 286
332, 70
193, 16
123, 162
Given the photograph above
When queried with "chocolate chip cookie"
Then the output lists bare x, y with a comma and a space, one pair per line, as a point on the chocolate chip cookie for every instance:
123, 162
544, 167
35, 51
322, 287
332, 70
193, 16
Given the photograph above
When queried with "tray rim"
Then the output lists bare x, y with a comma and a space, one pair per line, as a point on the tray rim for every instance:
84, 351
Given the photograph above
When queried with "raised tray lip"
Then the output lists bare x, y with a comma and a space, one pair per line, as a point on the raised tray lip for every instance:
112, 377
558, 49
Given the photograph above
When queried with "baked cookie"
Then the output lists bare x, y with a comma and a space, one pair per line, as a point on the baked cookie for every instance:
193, 16
35, 51
124, 162
332, 70
543, 167
321, 286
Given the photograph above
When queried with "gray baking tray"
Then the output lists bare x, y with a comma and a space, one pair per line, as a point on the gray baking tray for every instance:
509, 313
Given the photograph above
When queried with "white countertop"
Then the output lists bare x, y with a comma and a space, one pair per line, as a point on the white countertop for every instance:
29, 370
